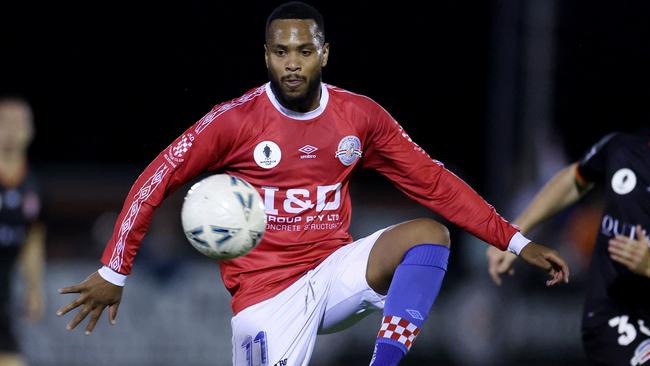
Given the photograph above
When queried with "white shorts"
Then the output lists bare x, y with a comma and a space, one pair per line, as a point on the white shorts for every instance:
282, 330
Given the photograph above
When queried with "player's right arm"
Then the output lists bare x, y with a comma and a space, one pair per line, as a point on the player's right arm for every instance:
201, 147
563, 190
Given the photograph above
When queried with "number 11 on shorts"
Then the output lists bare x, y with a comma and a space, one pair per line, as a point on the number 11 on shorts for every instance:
248, 345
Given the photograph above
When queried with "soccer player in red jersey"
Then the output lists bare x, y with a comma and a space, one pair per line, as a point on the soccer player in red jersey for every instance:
298, 140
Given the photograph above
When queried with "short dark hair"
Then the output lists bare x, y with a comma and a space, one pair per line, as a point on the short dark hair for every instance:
297, 10
14, 98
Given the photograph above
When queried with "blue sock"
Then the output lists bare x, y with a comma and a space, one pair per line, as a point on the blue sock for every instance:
411, 294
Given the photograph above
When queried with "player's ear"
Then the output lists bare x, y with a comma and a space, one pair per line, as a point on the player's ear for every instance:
266, 56
326, 54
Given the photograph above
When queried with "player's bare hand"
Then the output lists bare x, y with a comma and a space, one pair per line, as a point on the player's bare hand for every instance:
632, 253
95, 294
499, 262
547, 259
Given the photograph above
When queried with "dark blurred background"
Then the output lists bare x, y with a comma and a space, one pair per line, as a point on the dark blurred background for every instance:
504, 92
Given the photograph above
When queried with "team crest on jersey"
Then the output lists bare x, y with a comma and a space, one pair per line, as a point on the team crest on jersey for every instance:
178, 150
267, 154
349, 150
641, 353
623, 181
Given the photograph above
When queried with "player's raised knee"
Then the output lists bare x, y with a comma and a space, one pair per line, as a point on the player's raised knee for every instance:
431, 232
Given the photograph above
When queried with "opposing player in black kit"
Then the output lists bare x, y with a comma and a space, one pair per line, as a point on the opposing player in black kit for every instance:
616, 317
21, 237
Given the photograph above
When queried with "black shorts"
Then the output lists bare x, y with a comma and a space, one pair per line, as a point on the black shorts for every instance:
618, 340
7, 340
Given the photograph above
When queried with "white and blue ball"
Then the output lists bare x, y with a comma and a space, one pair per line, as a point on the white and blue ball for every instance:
223, 216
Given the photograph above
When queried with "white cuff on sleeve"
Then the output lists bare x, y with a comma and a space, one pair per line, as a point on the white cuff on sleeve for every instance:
517, 243
111, 276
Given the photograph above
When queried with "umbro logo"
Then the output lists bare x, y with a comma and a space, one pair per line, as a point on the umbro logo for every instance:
415, 314
309, 151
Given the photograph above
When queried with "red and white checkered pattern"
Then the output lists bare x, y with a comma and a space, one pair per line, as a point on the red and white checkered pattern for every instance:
181, 147
398, 329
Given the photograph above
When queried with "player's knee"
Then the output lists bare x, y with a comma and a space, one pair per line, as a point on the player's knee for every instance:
431, 232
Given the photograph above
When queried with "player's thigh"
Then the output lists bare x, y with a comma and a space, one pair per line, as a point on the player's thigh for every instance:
621, 340
389, 249
281, 330
350, 298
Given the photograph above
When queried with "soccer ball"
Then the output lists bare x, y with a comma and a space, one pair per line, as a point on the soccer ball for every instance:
223, 216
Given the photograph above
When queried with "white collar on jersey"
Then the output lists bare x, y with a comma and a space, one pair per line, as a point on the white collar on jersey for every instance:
324, 98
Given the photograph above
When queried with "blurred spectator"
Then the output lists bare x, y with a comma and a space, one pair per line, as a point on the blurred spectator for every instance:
21, 236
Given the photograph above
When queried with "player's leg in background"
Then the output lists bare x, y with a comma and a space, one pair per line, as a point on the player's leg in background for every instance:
408, 262
9, 355
11, 359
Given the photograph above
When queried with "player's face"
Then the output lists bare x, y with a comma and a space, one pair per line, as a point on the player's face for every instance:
295, 54
15, 126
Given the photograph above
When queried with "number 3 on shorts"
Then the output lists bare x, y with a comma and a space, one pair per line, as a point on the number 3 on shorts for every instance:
249, 343
625, 329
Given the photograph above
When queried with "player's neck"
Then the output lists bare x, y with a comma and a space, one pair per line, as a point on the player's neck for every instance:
310, 103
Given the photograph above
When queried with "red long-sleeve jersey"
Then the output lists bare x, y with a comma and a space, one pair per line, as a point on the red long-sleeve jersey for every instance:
301, 165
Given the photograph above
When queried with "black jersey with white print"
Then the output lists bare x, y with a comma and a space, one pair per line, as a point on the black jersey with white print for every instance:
19, 209
621, 164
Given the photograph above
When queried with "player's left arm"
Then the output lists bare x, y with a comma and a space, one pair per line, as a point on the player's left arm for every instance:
633, 253
32, 263
391, 152
563, 190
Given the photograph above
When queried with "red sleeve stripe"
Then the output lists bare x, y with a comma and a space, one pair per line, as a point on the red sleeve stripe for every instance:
208, 118
147, 189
